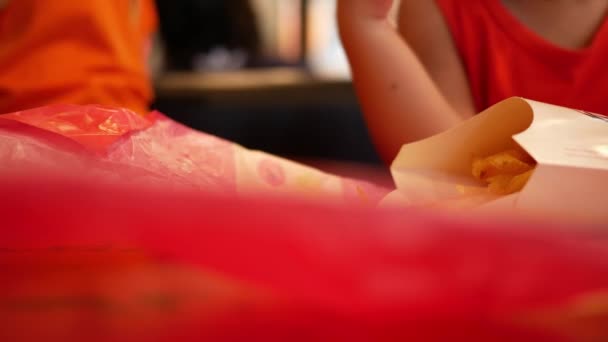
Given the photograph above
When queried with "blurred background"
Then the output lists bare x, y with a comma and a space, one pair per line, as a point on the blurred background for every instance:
268, 74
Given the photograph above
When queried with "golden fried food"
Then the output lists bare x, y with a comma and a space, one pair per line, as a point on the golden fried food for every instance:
505, 172
511, 162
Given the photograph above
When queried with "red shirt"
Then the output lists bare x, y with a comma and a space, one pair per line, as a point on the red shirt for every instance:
503, 58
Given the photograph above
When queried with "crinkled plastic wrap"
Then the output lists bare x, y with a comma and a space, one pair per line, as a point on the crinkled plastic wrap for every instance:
110, 145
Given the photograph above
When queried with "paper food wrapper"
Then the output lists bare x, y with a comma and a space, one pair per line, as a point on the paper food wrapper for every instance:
570, 147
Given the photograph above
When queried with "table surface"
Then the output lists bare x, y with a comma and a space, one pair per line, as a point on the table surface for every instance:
294, 86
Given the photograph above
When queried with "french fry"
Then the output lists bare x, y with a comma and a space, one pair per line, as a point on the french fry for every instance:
506, 172
518, 182
499, 185
512, 162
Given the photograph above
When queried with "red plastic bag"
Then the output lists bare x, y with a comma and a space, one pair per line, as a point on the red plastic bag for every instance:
80, 261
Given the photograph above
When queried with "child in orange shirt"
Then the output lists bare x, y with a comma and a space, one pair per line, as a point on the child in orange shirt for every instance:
449, 59
78, 52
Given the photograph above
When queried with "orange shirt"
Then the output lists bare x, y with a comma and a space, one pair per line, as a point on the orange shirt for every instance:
503, 58
75, 51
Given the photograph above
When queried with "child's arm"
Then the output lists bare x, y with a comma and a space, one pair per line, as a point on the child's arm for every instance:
401, 100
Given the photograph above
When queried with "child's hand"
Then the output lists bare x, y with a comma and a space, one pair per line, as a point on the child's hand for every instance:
371, 9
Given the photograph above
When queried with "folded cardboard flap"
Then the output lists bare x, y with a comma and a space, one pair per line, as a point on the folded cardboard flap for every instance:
439, 168
454, 150
571, 178
571, 149
565, 137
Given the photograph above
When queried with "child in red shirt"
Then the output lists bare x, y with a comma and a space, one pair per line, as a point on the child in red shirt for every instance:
449, 59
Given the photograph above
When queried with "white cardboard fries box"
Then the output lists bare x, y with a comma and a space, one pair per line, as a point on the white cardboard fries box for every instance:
570, 147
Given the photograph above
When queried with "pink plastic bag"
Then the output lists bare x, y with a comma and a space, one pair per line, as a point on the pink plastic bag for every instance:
116, 145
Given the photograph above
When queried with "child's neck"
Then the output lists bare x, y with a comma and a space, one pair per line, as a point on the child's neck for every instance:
570, 24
